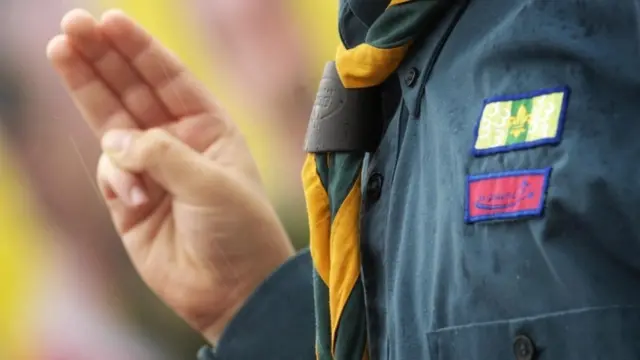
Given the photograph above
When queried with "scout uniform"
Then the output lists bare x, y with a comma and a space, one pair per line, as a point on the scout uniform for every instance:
496, 215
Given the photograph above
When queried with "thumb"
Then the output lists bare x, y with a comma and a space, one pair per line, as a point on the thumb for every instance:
180, 170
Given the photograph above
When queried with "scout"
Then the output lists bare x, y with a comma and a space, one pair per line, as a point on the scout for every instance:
469, 186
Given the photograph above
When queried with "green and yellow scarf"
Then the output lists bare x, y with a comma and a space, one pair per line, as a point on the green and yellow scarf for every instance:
332, 183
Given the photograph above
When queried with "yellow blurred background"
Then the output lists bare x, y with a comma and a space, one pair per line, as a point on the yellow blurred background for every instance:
67, 290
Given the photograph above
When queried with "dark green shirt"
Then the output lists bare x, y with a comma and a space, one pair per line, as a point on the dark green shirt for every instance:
501, 214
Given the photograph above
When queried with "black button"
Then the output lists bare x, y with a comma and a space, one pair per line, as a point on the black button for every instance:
374, 187
523, 348
411, 77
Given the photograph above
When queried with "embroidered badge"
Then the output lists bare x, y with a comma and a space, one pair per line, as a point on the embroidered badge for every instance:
521, 121
506, 195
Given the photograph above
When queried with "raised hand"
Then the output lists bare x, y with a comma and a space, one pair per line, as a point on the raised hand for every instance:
182, 188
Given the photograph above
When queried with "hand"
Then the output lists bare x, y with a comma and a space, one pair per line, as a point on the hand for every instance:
180, 184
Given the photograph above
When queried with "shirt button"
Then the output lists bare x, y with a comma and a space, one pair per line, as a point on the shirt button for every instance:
523, 348
374, 187
411, 77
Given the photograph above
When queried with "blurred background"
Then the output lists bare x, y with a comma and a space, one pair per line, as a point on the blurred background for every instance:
67, 289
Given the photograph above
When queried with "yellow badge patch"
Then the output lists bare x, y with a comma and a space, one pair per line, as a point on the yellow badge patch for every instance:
521, 121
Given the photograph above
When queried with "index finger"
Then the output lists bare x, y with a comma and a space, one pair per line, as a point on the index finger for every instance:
99, 106
178, 89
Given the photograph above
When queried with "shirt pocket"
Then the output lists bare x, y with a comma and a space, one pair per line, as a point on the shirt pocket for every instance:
594, 333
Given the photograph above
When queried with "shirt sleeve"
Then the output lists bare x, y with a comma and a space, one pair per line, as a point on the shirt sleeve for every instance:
277, 322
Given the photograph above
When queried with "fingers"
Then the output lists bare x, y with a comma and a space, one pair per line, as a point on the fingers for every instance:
96, 102
113, 69
120, 185
127, 207
177, 88
179, 169
129, 197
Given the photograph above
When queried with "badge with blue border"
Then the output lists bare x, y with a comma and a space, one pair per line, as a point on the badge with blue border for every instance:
506, 195
521, 121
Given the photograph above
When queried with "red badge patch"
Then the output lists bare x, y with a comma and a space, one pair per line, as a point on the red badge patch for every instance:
506, 195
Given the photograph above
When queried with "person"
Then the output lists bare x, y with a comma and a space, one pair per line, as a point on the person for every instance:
497, 219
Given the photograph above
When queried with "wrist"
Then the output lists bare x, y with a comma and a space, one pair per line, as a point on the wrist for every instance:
213, 332
238, 297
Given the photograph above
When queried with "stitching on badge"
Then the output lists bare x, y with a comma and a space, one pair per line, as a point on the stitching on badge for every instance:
517, 122
505, 195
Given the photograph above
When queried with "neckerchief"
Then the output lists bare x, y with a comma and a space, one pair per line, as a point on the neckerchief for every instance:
332, 183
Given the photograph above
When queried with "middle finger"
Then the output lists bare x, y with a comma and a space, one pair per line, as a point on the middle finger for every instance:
135, 94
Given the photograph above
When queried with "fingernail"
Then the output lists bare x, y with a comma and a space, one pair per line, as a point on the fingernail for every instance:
116, 141
137, 196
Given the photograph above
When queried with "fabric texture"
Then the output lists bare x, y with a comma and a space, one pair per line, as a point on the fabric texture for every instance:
332, 183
